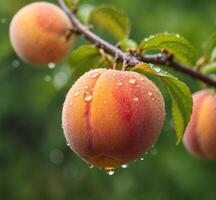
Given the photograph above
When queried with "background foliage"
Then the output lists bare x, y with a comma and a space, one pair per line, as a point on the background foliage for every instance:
36, 163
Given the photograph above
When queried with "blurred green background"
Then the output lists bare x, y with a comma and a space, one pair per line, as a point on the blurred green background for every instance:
36, 163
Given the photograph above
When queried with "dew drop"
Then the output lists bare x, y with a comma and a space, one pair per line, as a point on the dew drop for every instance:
124, 166
70, 104
51, 65
132, 80
136, 99
95, 75
87, 96
91, 166
142, 79
119, 83
68, 144
177, 35
149, 93
141, 159
76, 94
157, 69
110, 170
110, 173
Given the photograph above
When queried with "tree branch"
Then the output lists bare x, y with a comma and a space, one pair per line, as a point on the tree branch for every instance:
164, 59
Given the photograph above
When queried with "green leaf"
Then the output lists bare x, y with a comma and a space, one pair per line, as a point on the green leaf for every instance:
209, 47
72, 4
128, 44
85, 58
111, 20
180, 94
213, 55
177, 45
209, 68
84, 13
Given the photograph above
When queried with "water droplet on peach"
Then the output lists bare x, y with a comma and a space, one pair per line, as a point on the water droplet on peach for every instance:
51, 65
76, 94
95, 75
124, 166
136, 99
132, 80
149, 93
87, 96
110, 170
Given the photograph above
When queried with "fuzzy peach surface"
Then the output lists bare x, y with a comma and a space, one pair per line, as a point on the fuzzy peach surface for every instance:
38, 33
200, 135
112, 117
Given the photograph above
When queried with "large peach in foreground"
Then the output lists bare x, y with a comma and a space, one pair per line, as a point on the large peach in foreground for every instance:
38, 33
112, 117
200, 134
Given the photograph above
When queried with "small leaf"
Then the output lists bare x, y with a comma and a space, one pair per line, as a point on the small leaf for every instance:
213, 55
180, 94
84, 13
128, 44
85, 58
72, 4
209, 46
177, 45
111, 20
209, 68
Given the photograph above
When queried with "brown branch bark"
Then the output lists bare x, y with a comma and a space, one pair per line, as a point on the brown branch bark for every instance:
164, 59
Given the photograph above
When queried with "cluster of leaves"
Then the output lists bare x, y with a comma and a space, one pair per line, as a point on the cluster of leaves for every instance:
117, 24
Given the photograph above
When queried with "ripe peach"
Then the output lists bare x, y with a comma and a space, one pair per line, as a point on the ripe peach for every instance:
200, 134
111, 117
38, 33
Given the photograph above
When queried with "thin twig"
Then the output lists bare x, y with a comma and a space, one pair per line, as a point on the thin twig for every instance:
130, 60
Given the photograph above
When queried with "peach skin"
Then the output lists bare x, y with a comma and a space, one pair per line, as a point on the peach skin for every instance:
200, 134
111, 117
38, 33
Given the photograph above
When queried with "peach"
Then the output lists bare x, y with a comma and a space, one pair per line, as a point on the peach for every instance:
200, 134
38, 33
111, 117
